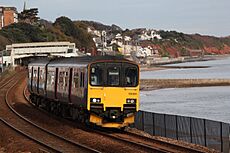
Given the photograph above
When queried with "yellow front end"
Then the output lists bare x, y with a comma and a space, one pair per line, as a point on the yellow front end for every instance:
116, 108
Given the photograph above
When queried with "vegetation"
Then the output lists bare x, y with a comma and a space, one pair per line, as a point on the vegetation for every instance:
22, 33
181, 43
62, 30
100, 26
29, 16
172, 44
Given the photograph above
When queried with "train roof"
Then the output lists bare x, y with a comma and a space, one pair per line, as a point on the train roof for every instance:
83, 60
76, 61
39, 62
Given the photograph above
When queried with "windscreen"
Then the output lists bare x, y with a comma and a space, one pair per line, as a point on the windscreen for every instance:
114, 74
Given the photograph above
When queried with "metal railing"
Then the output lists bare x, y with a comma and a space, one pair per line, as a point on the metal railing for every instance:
212, 134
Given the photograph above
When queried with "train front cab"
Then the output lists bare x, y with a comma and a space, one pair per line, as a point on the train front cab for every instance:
113, 93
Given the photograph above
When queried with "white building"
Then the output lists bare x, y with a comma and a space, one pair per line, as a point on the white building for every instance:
94, 32
22, 50
149, 35
117, 40
147, 51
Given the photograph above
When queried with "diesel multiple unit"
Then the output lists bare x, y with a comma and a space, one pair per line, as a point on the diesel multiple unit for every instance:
97, 90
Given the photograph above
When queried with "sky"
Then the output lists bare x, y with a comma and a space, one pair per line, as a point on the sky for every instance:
206, 17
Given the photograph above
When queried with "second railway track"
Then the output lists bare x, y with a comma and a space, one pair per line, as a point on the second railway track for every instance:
11, 118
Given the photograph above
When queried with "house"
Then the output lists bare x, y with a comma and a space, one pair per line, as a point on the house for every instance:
8, 15
117, 40
149, 35
94, 32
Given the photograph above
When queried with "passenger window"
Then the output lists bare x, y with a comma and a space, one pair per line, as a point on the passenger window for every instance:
30, 73
75, 80
66, 79
35, 73
82, 80
50, 77
41, 74
61, 78
113, 76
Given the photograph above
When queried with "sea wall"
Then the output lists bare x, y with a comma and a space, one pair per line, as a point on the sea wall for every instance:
151, 84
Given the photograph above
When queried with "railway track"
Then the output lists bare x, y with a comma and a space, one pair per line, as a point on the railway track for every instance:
51, 141
143, 147
144, 143
147, 144
136, 141
168, 145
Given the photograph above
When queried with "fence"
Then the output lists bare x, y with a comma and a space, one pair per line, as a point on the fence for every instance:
211, 134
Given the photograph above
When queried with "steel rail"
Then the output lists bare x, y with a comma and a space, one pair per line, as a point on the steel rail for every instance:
143, 146
186, 148
28, 136
83, 147
147, 147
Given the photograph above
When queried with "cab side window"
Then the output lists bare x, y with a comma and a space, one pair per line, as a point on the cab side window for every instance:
131, 75
96, 76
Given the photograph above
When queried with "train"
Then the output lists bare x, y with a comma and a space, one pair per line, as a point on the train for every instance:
99, 90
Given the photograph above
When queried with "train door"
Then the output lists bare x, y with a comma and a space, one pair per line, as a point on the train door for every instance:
50, 86
74, 97
35, 79
63, 84
78, 88
30, 76
82, 84
41, 85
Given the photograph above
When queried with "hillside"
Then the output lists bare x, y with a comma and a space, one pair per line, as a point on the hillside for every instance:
172, 44
63, 29
179, 44
100, 26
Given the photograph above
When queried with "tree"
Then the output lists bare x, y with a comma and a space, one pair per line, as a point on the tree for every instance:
77, 31
29, 16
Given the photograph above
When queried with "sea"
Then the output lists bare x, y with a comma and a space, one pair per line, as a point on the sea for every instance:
202, 102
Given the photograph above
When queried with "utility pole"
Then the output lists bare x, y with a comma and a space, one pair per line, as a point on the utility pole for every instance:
103, 39
24, 6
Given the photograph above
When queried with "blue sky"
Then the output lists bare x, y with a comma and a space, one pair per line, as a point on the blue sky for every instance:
208, 17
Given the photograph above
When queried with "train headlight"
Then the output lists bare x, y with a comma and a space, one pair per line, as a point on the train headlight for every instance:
95, 100
131, 101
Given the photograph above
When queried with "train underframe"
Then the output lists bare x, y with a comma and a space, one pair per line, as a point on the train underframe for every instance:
111, 118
